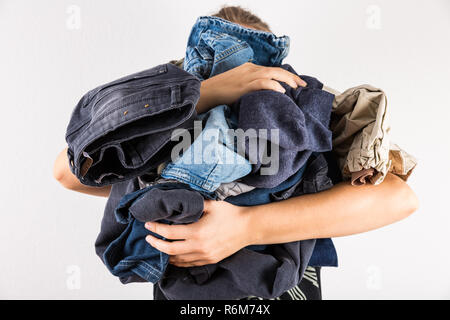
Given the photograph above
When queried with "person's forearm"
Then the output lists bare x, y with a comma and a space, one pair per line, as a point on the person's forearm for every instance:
342, 210
63, 175
206, 100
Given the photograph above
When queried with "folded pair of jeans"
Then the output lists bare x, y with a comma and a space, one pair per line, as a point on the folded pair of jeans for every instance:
123, 128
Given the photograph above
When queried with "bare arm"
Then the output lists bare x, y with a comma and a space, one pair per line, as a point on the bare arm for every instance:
342, 210
63, 175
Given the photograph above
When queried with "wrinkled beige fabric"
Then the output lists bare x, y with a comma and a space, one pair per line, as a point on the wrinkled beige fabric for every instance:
360, 130
361, 141
402, 162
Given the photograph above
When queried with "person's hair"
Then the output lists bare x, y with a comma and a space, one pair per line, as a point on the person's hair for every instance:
239, 15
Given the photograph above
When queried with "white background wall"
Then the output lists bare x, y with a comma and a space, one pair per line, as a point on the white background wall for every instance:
49, 58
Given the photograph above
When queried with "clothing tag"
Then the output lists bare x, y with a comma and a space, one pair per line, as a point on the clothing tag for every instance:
86, 165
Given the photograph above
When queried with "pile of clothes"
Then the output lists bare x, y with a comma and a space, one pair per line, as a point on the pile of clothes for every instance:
127, 134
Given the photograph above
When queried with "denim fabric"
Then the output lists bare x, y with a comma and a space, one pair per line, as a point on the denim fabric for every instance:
302, 117
216, 45
324, 254
211, 160
131, 258
268, 271
267, 274
122, 129
130, 254
111, 229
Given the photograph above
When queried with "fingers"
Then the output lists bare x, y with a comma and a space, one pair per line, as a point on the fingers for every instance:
173, 232
266, 84
266, 78
171, 248
301, 82
291, 79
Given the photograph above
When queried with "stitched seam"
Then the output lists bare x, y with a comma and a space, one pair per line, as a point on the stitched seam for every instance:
142, 264
132, 102
163, 143
187, 176
229, 52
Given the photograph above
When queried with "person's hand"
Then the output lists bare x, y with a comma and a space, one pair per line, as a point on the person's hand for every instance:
229, 86
223, 230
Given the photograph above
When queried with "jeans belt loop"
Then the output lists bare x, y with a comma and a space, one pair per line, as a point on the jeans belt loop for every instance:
175, 95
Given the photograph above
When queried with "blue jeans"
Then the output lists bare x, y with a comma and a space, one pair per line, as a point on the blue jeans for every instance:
268, 273
280, 265
122, 129
129, 255
211, 160
216, 45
